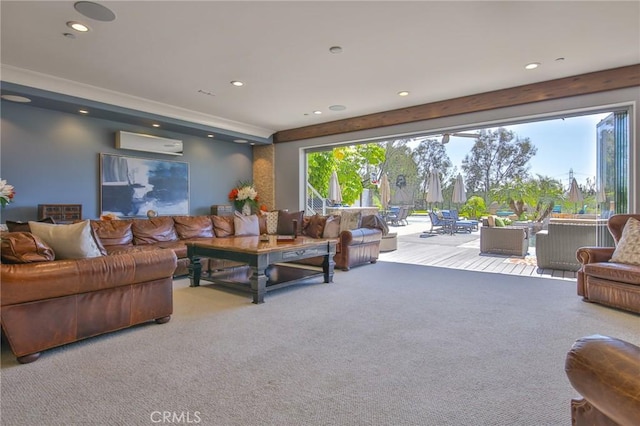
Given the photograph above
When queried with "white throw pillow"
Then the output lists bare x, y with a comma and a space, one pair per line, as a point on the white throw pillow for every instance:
73, 241
628, 248
246, 225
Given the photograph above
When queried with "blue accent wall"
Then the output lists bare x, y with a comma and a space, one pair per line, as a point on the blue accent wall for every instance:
52, 157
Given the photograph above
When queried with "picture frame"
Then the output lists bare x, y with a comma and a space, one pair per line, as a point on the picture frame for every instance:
132, 186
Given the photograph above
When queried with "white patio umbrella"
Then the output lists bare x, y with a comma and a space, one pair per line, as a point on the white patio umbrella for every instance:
385, 191
575, 195
459, 194
335, 193
434, 193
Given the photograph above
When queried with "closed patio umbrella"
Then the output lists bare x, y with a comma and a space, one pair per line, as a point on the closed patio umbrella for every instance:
434, 193
575, 195
385, 191
459, 194
335, 193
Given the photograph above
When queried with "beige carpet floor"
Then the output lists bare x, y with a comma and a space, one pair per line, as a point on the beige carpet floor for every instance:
385, 344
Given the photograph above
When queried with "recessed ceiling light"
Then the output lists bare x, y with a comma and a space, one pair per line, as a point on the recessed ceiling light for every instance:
335, 49
16, 98
240, 140
403, 93
94, 11
83, 111
155, 125
237, 83
69, 35
337, 107
209, 136
559, 59
317, 112
532, 66
78, 26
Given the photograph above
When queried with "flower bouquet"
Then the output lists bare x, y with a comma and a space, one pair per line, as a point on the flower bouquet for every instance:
245, 198
6, 193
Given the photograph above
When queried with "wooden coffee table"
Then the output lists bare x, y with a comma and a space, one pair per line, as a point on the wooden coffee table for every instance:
261, 257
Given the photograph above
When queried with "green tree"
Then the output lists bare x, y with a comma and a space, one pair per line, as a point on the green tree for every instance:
430, 154
474, 208
351, 163
539, 195
498, 157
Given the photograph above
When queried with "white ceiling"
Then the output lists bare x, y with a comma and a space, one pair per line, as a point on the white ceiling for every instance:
157, 55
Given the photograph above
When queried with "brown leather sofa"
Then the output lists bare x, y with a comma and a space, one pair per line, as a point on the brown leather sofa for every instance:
355, 247
47, 303
605, 371
608, 283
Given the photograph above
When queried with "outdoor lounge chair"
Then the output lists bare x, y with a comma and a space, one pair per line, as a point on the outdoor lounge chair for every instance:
399, 218
440, 224
464, 225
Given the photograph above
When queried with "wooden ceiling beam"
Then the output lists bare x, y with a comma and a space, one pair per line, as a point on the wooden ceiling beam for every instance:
600, 81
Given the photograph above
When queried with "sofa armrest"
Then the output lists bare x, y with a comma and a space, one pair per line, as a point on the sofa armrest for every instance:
594, 254
29, 282
604, 370
360, 236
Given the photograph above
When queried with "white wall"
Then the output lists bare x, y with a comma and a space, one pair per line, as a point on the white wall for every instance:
289, 156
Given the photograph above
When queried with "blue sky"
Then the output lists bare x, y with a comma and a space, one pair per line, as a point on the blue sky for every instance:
562, 144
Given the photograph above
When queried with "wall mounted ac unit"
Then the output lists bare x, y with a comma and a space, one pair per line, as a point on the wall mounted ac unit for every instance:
148, 143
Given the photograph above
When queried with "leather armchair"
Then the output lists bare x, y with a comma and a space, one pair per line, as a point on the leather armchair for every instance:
609, 283
605, 371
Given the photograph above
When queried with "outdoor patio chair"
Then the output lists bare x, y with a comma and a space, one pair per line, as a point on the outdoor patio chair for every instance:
440, 224
463, 225
399, 218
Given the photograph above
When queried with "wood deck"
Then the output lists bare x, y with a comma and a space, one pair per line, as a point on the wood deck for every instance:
461, 251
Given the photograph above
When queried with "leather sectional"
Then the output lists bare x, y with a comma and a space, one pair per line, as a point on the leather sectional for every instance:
47, 303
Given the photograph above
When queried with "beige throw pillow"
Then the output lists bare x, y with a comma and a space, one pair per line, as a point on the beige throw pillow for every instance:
331, 227
628, 248
73, 241
350, 220
246, 225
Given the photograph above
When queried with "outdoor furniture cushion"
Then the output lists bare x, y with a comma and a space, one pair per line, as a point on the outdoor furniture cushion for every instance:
505, 240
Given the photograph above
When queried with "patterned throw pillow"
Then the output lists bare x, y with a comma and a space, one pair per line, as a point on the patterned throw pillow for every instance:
350, 220
628, 248
272, 222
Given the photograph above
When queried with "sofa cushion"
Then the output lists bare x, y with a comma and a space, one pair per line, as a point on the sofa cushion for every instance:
350, 220
315, 226
113, 233
193, 227
620, 272
246, 225
628, 248
153, 230
74, 241
285, 222
331, 227
25, 247
17, 226
223, 226
178, 247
